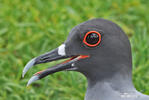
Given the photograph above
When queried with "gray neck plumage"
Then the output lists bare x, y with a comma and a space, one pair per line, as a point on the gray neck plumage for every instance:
116, 86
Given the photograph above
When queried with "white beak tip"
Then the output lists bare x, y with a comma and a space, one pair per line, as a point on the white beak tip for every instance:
28, 66
32, 79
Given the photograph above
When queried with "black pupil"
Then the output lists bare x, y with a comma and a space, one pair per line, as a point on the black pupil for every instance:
92, 38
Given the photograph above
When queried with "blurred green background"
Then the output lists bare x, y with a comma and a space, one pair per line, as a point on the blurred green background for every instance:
29, 28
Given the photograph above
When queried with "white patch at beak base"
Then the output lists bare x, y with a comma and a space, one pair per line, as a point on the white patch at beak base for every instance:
61, 50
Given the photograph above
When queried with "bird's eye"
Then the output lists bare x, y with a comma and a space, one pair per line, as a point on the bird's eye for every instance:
92, 38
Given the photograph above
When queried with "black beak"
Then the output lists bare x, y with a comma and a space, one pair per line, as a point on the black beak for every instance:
52, 56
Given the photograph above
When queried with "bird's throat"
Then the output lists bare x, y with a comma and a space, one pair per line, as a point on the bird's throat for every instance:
113, 87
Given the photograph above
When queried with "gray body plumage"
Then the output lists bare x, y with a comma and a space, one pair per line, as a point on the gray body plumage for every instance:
109, 67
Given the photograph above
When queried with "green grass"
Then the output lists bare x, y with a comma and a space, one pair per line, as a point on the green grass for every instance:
29, 28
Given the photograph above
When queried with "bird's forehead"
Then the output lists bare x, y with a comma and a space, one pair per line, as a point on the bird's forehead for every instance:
94, 25
100, 25
82, 29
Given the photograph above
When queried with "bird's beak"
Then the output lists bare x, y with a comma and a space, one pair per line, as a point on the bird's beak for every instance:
58, 53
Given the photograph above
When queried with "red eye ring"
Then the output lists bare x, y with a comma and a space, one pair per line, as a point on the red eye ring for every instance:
92, 45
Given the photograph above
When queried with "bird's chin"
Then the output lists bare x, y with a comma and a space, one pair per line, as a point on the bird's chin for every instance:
66, 65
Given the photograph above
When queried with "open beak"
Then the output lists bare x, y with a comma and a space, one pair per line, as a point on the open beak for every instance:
53, 55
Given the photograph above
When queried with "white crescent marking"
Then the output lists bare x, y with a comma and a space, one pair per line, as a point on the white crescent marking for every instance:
61, 50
